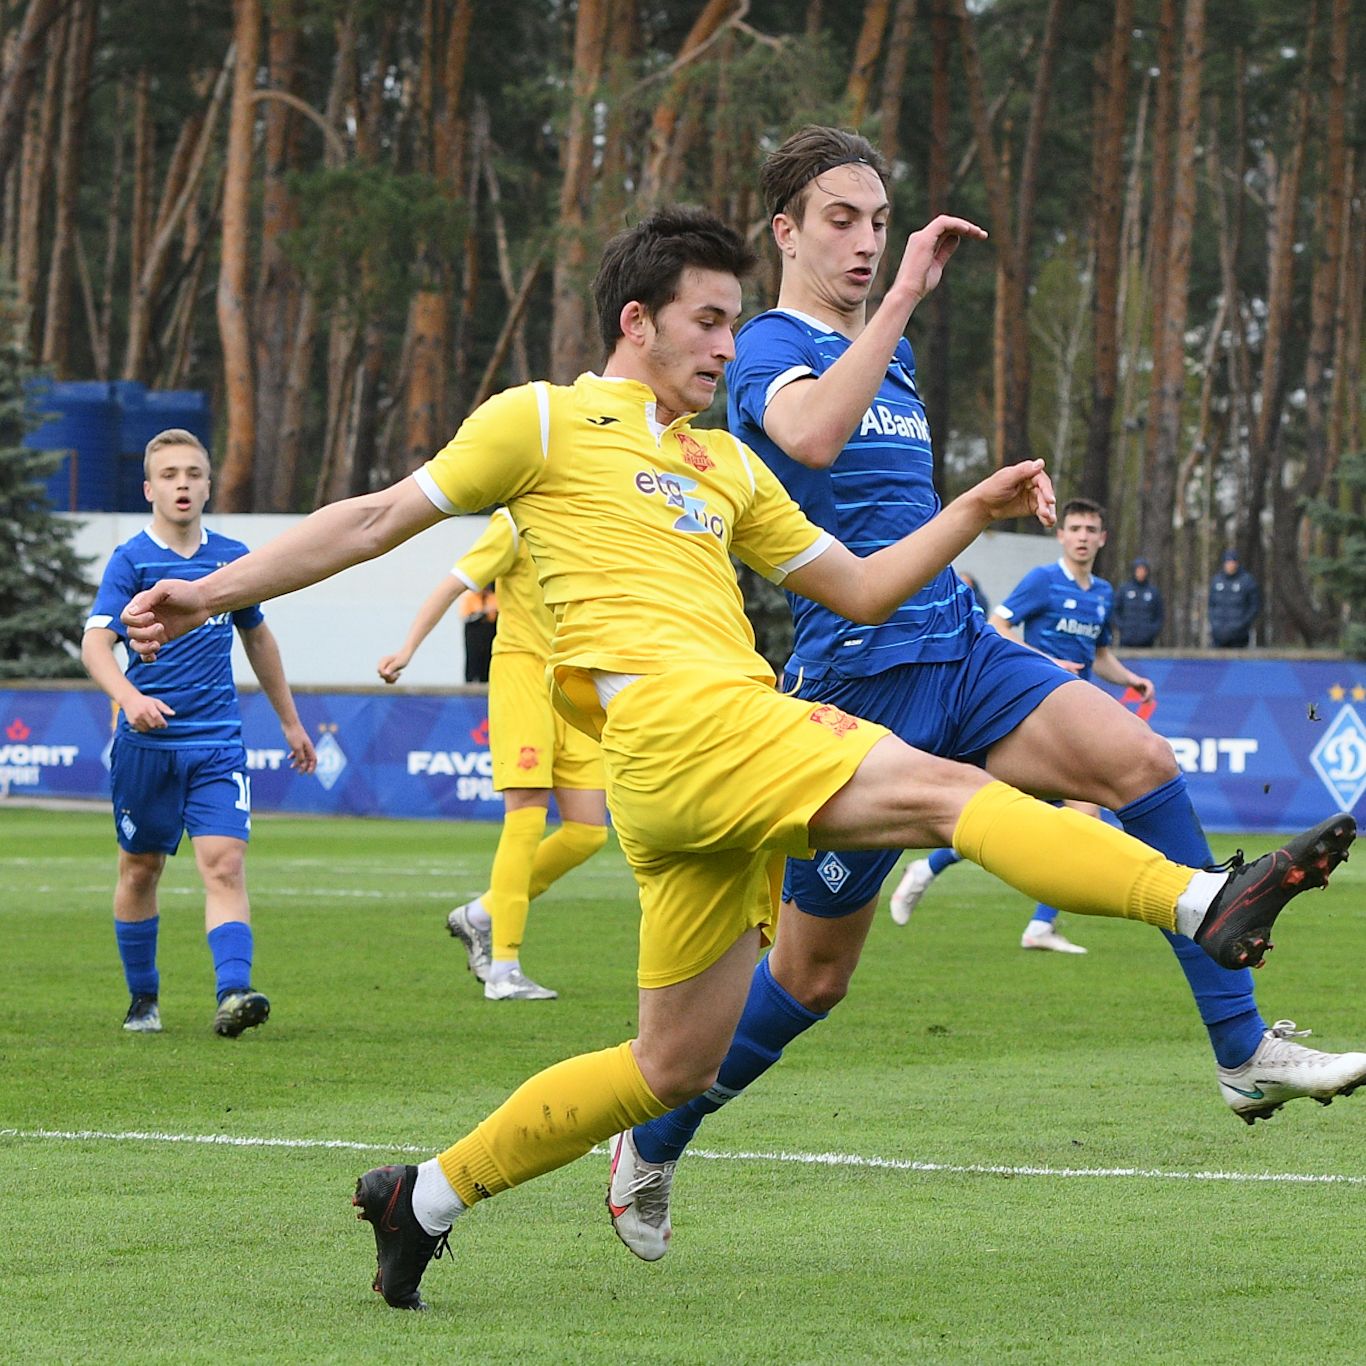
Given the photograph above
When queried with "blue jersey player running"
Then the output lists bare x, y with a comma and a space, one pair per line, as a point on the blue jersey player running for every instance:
1063, 611
826, 393
177, 762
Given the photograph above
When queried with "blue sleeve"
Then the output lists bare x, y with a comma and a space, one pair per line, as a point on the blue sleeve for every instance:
118, 585
767, 349
1106, 632
1029, 597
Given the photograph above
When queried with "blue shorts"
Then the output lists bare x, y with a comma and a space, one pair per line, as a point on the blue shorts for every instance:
161, 792
955, 710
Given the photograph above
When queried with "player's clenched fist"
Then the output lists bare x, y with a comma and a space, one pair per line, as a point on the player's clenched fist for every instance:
169, 608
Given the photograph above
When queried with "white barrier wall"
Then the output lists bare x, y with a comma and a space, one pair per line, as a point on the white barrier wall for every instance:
332, 634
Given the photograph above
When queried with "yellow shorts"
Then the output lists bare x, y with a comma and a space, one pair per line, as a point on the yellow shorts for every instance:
532, 746
711, 780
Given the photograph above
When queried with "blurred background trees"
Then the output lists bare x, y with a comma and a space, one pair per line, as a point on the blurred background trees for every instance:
350, 220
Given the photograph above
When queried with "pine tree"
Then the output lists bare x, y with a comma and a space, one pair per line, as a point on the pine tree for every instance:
1344, 574
43, 588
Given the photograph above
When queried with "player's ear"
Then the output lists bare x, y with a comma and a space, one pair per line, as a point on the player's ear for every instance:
633, 319
784, 233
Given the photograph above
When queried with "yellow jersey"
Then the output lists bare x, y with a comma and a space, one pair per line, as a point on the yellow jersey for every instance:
631, 525
525, 625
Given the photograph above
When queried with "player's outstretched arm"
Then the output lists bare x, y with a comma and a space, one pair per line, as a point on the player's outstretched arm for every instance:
434, 606
263, 654
330, 540
813, 419
870, 588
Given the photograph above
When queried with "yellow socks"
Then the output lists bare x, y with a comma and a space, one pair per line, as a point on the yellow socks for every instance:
1068, 860
550, 1120
568, 847
507, 899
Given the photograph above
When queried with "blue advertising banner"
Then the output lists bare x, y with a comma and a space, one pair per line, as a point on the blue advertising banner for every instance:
389, 754
1265, 745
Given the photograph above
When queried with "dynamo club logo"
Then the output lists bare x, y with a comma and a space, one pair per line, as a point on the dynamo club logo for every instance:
1339, 758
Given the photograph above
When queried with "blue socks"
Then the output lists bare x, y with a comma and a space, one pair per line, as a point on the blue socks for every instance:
137, 941
1165, 820
771, 1020
231, 946
943, 858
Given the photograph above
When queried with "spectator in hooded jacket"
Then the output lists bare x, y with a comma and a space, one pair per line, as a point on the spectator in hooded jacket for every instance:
1138, 609
1235, 601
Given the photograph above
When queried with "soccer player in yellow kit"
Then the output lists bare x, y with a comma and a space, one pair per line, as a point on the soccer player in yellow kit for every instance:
534, 750
631, 514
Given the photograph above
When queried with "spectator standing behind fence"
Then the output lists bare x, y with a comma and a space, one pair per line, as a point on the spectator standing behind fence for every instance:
1235, 601
478, 609
1138, 610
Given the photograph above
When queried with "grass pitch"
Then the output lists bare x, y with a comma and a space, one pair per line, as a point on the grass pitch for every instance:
983, 1155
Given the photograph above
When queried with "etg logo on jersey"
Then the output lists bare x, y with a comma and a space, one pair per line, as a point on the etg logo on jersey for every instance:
676, 490
838, 721
1339, 758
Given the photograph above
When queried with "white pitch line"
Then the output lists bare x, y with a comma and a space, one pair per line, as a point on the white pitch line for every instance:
802, 1159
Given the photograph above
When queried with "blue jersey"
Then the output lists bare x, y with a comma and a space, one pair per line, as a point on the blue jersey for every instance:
192, 675
1059, 616
878, 490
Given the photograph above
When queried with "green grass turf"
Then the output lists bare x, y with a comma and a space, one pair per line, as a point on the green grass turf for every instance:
954, 1048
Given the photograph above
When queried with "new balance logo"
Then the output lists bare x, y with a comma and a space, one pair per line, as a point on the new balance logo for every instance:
602, 421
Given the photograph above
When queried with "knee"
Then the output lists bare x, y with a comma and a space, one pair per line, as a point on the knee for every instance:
676, 1078
1154, 763
822, 985
225, 868
140, 873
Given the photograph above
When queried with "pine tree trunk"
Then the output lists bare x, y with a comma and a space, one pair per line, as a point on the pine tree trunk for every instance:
936, 389
875, 16
235, 478
1107, 214
570, 325
40, 135
278, 288
56, 351
19, 74
894, 79
1169, 382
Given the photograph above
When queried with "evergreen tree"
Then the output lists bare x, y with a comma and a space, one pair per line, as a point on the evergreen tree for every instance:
1344, 573
43, 588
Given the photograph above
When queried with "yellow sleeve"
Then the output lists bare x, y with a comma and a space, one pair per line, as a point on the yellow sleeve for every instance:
773, 535
491, 556
498, 453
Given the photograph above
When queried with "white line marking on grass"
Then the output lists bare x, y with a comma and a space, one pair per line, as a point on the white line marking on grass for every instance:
898, 1164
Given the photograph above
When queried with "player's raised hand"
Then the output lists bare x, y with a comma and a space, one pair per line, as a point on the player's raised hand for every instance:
302, 756
392, 665
156, 616
1022, 490
928, 251
145, 713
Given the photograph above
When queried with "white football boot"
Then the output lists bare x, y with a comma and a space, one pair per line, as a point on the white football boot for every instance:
1282, 1070
910, 889
516, 986
478, 942
638, 1199
1042, 934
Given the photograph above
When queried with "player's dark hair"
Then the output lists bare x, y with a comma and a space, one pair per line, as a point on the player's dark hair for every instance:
1082, 507
644, 263
811, 151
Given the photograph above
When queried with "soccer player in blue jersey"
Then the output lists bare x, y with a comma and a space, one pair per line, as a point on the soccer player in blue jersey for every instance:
177, 762
825, 392
1063, 611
